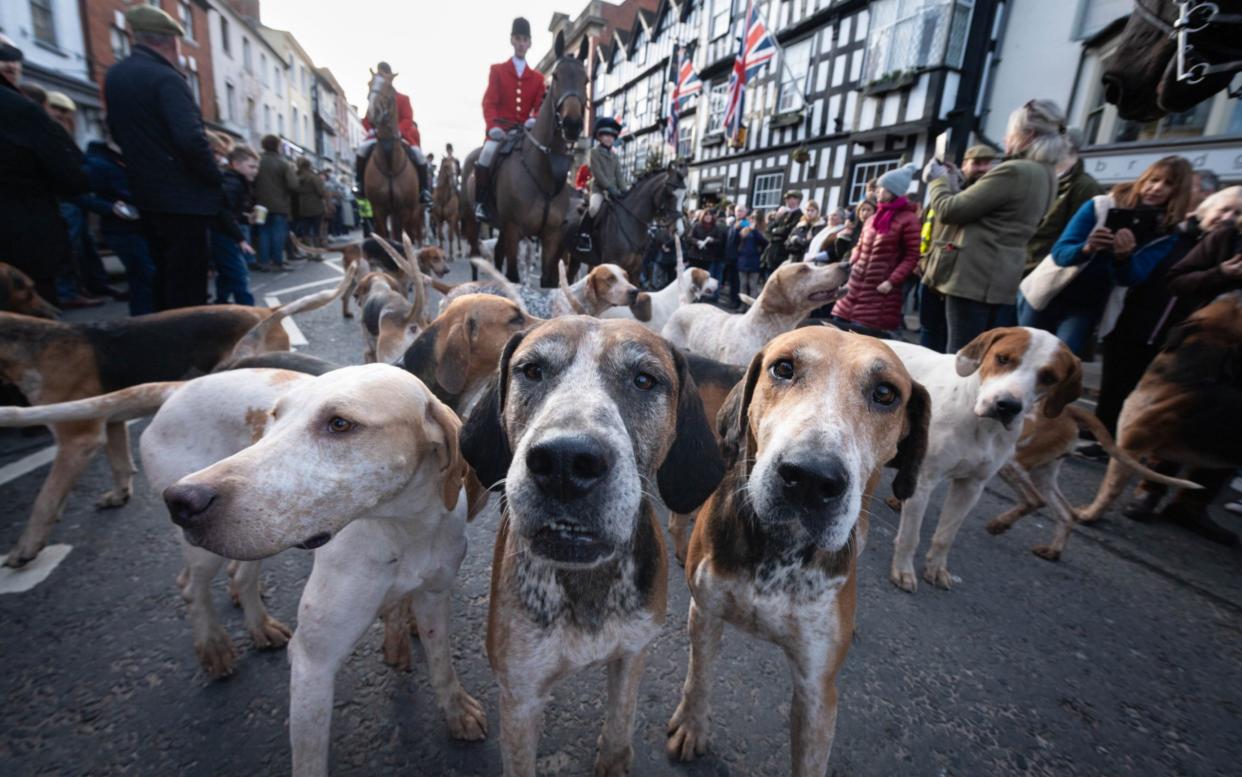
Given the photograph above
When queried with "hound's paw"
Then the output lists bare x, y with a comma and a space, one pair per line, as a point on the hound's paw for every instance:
614, 764
1047, 552
997, 526
270, 634
217, 655
893, 503
23, 553
904, 579
117, 497
397, 647
687, 735
1086, 515
938, 576
466, 717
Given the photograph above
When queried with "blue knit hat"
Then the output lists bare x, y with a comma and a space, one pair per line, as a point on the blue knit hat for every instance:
898, 181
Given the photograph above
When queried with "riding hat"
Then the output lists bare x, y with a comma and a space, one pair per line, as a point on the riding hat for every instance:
607, 125
520, 27
151, 20
384, 67
794, 193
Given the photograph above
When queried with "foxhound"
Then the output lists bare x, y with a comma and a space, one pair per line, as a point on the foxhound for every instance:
585, 418
605, 286
775, 549
390, 321
52, 362
375, 255
694, 284
791, 293
979, 397
363, 466
1188, 406
18, 295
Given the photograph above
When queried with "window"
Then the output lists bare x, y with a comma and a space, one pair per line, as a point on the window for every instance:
793, 75
119, 40
910, 34
280, 124
767, 191
43, 19
186, 13
722, 15
250, 115
246, 61
293, 130
865, 171
195, 88
640, 49
278, 74
230, 101
685, 139
267, 119
225, 43
305, 126
263, 68
1094, 15
1189, 124
716, 109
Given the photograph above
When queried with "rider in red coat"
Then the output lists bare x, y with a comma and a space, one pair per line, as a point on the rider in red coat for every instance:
514, 93
409, 134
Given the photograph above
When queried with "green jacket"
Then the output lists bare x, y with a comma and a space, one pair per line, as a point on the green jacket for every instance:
310, 195
778, 232
605, 171
979, 249
1073, 189
275, 184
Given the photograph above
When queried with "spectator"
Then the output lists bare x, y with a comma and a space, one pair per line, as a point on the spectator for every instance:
35, 93
977, 266
63, 111
727, 272
230, 238
804, 231
751, 243
884, 257
38, 163
173, 176
1111, 259
274, 189
662, 267
779, 228
844, 244
934, 333
1206, 184
1074, 187
706, 246
310, 202
119, 222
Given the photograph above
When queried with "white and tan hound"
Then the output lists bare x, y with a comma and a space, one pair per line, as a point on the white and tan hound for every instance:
775, 549
695, 284
605, 286
586, 418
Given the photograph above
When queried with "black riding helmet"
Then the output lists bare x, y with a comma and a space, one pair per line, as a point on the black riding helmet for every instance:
607, 125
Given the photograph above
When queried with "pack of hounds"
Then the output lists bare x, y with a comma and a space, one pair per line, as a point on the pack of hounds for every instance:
588, 408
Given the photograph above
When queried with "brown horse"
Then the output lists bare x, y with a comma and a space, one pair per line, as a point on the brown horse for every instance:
446, 206
532, 199
391, 180
1173, 56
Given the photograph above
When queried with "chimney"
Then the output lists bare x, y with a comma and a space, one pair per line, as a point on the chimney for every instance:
248, 9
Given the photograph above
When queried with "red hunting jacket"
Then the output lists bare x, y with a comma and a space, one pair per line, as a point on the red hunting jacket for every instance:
878, 258
511, 100
405, 121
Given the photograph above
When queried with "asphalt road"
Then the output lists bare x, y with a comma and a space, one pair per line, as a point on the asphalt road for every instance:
1125, 658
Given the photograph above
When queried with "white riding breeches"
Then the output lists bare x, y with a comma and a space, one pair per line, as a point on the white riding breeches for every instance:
596, 202
365, 146
494, 136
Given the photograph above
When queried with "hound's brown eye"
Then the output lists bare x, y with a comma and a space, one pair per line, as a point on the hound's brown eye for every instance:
532, 372
644, 381
782, 369
1002, 358
884, 394
340, 425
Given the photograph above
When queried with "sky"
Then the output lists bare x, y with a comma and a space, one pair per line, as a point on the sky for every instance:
439, 49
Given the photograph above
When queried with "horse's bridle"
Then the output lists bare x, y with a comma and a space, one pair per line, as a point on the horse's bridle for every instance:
1195, 16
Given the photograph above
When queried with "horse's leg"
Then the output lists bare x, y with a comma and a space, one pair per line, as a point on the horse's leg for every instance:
551, 243
506, 251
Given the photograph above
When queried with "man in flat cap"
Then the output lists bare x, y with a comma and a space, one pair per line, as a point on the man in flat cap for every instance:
173, 175
780, 227
514, 94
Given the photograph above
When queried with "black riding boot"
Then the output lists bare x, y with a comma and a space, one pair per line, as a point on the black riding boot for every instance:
424, 183
583, 245
360, 168
482, 184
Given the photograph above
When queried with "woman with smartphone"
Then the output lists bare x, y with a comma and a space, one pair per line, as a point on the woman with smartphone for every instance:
1117, 239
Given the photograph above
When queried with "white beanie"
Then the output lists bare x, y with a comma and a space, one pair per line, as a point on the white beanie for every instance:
898, 181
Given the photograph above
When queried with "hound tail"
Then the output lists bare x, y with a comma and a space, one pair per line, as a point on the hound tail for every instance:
493, 275
122, 405
1088, 421
252, 343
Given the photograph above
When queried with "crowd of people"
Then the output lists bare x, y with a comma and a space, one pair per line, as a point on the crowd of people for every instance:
174, 201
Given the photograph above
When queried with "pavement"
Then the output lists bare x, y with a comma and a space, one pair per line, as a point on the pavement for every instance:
1125, 658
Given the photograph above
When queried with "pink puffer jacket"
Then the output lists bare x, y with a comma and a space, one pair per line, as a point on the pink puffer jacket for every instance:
878, 258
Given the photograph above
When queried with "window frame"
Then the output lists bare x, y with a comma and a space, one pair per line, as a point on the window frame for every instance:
720, 9
872, 168
793, 84
716, 113
186, 12
767, 197
226, 43
43, 14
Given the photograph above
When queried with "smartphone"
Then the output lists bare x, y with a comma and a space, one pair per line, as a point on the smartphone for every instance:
1119, 218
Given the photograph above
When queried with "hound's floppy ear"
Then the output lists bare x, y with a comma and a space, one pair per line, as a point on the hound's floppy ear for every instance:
1065, 392
913, 446
971, 355
733, 419
484, 442
453, 355
642, 307
452, 466
692, 468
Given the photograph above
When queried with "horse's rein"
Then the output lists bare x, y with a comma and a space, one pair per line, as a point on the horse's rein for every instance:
1193, 16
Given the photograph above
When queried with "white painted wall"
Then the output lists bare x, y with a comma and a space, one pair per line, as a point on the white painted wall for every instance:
229, 67
67, 55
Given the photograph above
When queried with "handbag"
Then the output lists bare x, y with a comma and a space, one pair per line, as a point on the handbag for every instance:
1049, 279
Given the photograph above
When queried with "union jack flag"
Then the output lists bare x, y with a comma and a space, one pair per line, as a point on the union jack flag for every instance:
756, 48
683, 83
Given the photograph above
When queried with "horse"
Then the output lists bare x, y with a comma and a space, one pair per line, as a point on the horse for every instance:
446, 205
620, 235
391, 181
1173, 55
532, 198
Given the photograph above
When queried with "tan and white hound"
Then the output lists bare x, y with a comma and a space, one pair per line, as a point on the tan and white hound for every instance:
585, 418
775, 549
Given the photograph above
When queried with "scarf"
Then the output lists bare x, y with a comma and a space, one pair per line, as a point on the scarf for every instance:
886, 212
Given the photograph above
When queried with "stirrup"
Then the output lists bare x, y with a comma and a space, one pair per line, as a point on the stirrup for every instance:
584, 244
480, 213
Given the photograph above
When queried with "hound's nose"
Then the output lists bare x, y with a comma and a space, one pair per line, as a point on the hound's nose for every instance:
567, 468
813, 483
187, 503
1007, 408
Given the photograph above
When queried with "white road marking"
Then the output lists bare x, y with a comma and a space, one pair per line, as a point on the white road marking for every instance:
310, 285
335, 265
295, 335
15, 581
27, 464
